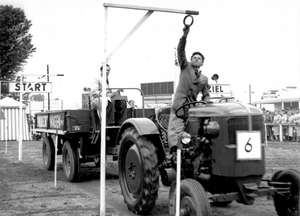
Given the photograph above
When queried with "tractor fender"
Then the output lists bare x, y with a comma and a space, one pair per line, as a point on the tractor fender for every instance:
145, 127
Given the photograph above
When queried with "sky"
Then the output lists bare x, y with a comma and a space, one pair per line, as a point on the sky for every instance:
247, 43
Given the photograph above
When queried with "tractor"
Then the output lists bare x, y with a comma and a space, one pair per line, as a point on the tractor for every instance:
222, 160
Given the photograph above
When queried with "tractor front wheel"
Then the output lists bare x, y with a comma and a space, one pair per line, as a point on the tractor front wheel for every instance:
193, 199
138, 172
288, 204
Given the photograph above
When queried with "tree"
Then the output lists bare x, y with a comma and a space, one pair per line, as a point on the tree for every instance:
37, 97
15, 43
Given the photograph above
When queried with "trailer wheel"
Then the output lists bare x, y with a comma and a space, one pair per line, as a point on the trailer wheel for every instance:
138, 172
193, 199
288, 204
70, 161
48, 153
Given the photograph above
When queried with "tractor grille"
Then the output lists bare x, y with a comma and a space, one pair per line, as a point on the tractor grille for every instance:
241, 123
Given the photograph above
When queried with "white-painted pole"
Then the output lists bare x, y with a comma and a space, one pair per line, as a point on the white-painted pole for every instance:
178, 179
6, 134
103, 124
55, 165
4, 119
20, 119
266, 134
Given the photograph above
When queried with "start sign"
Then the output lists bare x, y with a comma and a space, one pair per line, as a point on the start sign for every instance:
40, 87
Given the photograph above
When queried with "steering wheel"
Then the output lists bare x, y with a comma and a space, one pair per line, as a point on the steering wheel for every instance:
184, 115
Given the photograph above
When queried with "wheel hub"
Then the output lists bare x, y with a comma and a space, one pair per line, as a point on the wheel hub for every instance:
133, 170
187, 207
68, 163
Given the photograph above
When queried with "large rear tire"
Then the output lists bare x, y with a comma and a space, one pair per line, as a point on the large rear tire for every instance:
193, 199
138, 172
70, 161
288, 204
48, 151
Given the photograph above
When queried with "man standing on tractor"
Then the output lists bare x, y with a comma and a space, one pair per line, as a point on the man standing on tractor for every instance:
116, 106
191, 83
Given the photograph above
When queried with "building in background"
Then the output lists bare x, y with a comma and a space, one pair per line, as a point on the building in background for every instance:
158, 92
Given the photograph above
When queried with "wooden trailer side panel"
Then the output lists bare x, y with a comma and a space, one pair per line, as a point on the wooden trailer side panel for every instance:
71, 121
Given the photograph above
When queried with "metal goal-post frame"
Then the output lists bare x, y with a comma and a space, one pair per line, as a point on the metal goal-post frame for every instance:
149, 10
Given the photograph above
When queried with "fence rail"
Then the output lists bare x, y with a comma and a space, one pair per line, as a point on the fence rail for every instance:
284, 131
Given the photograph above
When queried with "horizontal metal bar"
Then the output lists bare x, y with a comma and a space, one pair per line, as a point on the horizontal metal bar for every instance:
23, 74
135, 7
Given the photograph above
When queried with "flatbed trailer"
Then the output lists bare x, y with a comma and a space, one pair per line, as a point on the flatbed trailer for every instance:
78, 138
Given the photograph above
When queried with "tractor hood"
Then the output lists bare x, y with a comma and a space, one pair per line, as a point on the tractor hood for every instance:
224, 110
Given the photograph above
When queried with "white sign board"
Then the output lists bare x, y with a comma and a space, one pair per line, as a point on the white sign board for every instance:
220, 89
39, 87
248, 145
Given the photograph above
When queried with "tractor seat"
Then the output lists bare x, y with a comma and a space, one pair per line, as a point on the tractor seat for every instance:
163, 115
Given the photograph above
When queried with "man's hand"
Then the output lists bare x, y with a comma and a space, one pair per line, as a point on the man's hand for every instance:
186, 30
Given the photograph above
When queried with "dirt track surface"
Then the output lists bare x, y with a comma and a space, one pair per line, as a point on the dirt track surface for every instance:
27, 189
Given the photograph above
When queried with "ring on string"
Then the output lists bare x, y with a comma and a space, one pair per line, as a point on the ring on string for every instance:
184, 21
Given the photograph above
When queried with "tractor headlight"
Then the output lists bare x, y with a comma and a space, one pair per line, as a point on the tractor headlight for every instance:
185, 137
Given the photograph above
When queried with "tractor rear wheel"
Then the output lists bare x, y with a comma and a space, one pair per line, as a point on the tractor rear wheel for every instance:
288, 204
193, 199
138, 172
48, 151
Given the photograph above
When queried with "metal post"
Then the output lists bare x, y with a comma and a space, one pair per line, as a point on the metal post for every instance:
103, 120
4, 122
48, 92
280, 133
55, 165
266, 134
20, 119
103, 125
178, 179
250, 94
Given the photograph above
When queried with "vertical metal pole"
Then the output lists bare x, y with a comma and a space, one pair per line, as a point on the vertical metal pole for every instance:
0, 109
178, 179
266, 134
20, 119
6, 133
250, 94
55, 164
103, 125
48, 92
4, 122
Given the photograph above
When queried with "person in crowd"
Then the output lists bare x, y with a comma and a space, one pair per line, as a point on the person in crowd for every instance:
116, 106
297, 124
276, 120
269, 119
290, 128
191, 82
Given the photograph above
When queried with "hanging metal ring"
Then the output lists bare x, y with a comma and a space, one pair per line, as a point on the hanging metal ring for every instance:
184, 21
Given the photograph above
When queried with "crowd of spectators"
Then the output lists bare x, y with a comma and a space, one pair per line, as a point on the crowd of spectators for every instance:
290, 121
